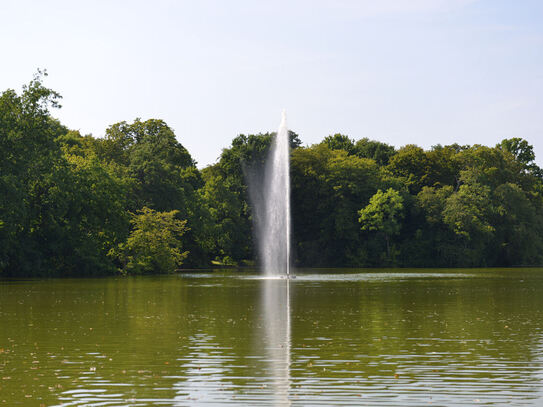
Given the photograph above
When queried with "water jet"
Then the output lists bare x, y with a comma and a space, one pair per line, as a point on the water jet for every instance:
275, 230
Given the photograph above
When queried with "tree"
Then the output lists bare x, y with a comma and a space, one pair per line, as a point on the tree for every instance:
156, 160
327, 188
228, 197
383, 214
162, 174
521, 149
82, 216
380, 152
62, 211
466, 211
523, 153
29, 153
154, 244
519, 227
339, 142
411, 164
229, 230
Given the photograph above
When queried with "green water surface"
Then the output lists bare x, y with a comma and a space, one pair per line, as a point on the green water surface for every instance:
329, 337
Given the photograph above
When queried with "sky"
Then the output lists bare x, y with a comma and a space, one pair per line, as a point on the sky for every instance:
422, 72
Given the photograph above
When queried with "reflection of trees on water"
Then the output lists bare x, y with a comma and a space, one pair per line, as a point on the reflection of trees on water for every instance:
442, 336
216, 338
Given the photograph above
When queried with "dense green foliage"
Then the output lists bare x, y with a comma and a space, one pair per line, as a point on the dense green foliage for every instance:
134, 200
154, 243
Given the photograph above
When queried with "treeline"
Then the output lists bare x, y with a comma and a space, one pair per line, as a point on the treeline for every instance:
134, 201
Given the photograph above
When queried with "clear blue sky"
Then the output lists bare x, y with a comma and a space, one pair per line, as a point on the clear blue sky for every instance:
398, 71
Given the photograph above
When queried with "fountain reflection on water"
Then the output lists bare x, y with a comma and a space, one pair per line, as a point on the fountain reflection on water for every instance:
410, 338
274, 246
277, 339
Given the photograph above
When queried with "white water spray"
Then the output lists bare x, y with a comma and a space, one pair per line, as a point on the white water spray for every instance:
275, 232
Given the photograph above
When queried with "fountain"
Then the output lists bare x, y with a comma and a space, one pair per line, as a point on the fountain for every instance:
273, 226
274, 233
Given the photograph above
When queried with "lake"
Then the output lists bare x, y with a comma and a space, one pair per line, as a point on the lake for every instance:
404, 337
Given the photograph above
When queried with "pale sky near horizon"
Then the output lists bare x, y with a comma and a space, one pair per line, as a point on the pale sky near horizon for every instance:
399, 71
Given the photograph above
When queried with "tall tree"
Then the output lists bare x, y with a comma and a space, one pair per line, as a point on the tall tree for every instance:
383, 214
376, 150
340, 142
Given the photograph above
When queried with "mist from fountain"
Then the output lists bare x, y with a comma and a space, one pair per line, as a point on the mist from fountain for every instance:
275, 230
